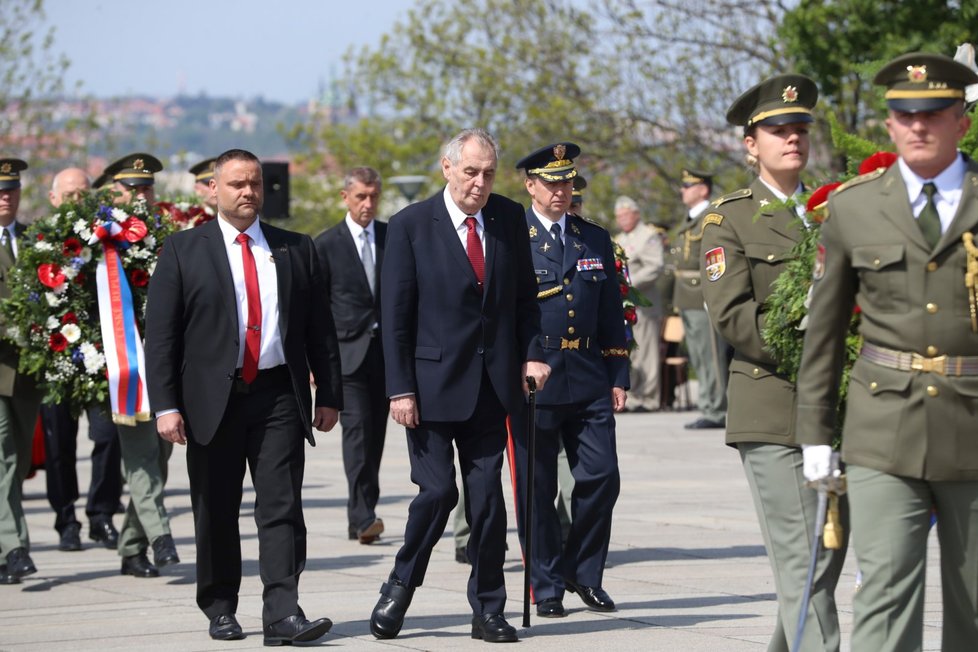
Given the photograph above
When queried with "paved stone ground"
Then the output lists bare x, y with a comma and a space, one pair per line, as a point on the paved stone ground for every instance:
687, 566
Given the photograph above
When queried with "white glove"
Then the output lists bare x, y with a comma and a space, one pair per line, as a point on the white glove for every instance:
817, 461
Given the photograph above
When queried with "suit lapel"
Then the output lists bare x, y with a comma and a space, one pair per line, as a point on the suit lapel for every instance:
283, 270
380, 233
449, 236
894, 205
351, 252
492, 238
573, 247
966, 219
218, 256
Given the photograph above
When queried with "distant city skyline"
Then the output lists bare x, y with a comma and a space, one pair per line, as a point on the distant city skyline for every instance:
281, 51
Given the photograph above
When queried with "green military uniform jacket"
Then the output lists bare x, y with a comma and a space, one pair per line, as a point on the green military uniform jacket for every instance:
745, 246
684, 258
9, 353
917, 424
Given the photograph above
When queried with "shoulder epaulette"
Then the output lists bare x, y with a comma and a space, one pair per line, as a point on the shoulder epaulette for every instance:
592, 222
743, 193
862, 178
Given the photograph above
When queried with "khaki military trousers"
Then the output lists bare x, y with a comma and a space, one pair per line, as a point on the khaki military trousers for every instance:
17, 418
707, 354
645, 361
145, 460
891, 517
786, 511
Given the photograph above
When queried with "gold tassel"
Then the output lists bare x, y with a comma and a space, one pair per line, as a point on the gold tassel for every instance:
971, 278
832, 534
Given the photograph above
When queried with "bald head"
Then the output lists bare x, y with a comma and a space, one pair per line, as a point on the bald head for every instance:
67, 185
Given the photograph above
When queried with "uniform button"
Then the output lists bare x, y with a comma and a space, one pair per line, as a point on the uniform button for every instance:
931, 308
770, 256
757, 372
876, 262
931, 390
932, 266
873, 385
480, 350
570, 297
931, 351
695, 281
594, 277
538, 279
566, 281
570, 313
570, 330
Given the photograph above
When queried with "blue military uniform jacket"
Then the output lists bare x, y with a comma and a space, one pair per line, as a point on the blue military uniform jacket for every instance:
582, 325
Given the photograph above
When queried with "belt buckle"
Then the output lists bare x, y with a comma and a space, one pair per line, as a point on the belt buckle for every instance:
570, 344
936, 365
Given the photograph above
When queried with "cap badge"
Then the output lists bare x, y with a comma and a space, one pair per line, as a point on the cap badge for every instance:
6, 168
917, 74
789, 94
559, 151
138, 164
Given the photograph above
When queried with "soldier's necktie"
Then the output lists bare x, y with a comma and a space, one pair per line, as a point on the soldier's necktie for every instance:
929, 221
249, 368
8, 243
558, 244
473, 247
367, 257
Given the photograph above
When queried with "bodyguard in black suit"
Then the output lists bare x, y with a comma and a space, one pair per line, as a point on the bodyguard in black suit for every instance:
460, 322
351, 254
584, 343
236, 318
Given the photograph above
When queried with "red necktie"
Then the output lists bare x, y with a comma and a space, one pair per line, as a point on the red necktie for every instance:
249, 368
473, 247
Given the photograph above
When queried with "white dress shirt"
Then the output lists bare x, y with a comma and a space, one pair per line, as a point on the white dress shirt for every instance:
458, 220
548, 223
695, 211
356, 230
949, 184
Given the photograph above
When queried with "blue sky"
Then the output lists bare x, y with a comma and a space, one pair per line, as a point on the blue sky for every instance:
280, 49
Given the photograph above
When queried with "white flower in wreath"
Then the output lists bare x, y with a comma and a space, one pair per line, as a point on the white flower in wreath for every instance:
52, 323
86, 253
70, 272
93, 360
71, 332
42, 245
52, 297
119, 215
150, 241
14, 334
79, 226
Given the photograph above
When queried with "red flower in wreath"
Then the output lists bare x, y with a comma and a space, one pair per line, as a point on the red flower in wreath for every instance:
72, 247
819, 201
630, 316
58, 342
69, 318
80, 278
50, 275
624, 289
618, 264
139, 278
877, 161
133, 230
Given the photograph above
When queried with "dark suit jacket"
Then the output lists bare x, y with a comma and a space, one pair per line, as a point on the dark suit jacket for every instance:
355, 309
192, 327
438, 329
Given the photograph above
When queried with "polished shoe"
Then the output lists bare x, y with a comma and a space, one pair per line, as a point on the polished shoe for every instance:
296, 629
351, 532
225, 628
19, 563
551, 608
371, 533
462, 557
69, 539
102, 531
388, 615
138, 566
593, 596
705, 424
493, 628
164, 551
7, 578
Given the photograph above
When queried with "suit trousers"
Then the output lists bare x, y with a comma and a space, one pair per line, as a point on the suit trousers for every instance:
891, 519
786, 510
262, 430
587, 431
480, 441
708, 355
18, 414
60, 442
364, 423
645, 360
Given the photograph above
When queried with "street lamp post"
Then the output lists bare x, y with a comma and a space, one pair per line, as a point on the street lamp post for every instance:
409, 185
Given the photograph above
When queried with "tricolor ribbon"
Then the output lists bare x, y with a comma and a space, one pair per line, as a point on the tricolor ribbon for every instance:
125, 363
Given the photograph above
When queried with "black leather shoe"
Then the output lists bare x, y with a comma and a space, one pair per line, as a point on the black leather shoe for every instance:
225, 628
7, 578
138, 566
705, 424
102, 531
388, 614
69, 539
593, 596
493, 628
164, 551
19, 563
461, 556
351, 532
551, 608
296, 629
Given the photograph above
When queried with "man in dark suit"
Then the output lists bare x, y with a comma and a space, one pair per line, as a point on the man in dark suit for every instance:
460, 327
351, 254
236, 318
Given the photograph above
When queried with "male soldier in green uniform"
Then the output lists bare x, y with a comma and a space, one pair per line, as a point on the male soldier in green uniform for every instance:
707, 350
203, 173
899, 244
19, 400
145, 455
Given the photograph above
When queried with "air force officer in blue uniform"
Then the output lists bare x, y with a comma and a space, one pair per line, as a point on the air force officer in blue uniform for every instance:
583, 338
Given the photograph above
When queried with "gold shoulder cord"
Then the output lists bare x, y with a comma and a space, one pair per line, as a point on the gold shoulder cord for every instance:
551, 292
712, 218
971, 278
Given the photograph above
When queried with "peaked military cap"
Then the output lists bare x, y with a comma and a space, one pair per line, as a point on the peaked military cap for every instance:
203, 171
780, 100
577, 194
10, 169
692, 178
920, 81
552, 163
132, 170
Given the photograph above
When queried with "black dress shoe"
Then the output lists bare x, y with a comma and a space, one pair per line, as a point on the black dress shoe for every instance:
462, 557
138, 566
551, 608
388, 614
164, 551
225, 628
705, 424
7, 578
69, 538
351, 532
19, 563
296, 629
493, 628
102, 531
593, 596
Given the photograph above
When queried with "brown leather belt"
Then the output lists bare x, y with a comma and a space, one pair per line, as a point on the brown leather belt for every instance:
945, 365
560, 343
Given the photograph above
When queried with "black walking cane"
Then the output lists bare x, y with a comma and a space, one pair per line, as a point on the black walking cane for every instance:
531, 454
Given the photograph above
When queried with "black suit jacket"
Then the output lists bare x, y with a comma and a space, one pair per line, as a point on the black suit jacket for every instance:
438, 328
355, 310
192, 327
